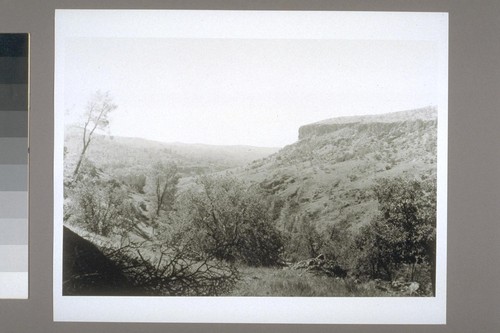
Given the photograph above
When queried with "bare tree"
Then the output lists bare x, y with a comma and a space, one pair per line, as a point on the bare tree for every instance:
162, 185
96, 117
170, 266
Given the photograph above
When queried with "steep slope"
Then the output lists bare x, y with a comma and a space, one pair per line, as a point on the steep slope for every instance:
327, 175
87, 271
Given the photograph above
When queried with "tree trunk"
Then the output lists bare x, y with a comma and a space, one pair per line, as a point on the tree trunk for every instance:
75, 173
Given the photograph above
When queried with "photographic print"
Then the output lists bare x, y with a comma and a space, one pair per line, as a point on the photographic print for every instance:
230, 166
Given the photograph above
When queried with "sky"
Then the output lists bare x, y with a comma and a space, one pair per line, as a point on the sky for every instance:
254, 92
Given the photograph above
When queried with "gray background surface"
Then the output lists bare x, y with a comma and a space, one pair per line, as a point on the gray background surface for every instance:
474, 164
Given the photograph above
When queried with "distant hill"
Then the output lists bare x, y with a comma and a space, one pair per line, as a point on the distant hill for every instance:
124, 154
328, 174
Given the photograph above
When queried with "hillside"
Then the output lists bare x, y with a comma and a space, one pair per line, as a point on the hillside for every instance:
329, 125
324, 179
87, 271
327, 175
134, 155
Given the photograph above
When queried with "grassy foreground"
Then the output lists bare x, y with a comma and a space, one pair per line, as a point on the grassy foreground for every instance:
263, 281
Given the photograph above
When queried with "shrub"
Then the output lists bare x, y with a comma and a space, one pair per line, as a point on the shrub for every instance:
404, 232
135, 181
232, 222
99, 206
304, 241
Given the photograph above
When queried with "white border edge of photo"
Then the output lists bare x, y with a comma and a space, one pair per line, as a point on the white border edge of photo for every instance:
238, 24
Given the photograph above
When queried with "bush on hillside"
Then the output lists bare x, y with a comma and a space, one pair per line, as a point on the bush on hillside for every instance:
232, 222
403, 235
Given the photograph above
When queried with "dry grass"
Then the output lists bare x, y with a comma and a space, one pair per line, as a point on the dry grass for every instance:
289, 282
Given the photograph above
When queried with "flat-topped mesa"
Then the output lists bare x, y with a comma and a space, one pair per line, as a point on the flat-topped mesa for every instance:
329, 125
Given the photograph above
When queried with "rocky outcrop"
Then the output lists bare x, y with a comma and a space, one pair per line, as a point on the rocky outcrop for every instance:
376, 123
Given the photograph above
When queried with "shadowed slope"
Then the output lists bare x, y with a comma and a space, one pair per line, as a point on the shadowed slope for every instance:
86, 271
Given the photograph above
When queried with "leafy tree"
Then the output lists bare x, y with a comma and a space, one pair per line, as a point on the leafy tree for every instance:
232, 222
375, 255
96, 117
339, 244
404, 232
408, 208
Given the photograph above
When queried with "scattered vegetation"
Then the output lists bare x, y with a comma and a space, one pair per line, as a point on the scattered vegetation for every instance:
173, 267
342, 213
232, 222
264, 281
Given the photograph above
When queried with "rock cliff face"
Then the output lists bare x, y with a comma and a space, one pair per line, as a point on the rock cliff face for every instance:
377, 122
327, 176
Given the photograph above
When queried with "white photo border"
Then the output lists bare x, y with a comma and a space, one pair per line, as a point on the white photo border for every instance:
256, 25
